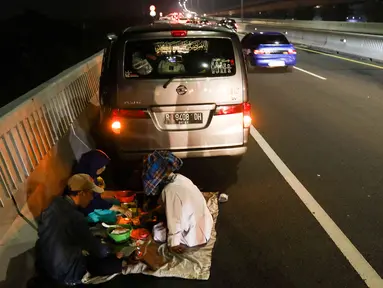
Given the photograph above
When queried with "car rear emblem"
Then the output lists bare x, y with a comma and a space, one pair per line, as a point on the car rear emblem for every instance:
182, 90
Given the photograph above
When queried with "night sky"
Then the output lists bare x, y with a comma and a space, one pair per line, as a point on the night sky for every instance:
77, 9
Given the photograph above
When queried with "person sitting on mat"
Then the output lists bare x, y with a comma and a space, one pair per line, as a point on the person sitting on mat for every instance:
188, 218
66, 249
94, 164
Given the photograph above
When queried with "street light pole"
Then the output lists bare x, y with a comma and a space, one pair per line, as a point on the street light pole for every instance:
241, 10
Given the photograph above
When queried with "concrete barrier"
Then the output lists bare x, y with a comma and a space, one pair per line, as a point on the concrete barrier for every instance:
363, 46
42, 132
339, 26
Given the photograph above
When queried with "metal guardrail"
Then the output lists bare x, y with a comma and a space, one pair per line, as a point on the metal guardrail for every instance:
38, 144
360, 28
31, 127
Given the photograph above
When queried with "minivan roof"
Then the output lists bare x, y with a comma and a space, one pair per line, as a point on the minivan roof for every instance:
158, 27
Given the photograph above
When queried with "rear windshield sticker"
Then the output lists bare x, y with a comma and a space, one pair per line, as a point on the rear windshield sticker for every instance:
182, 46
221, 66
142, 66
166, 67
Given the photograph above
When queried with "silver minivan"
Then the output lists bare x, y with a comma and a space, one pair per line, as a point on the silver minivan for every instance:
175, 87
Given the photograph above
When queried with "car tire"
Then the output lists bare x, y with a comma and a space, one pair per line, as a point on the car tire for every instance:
289, 69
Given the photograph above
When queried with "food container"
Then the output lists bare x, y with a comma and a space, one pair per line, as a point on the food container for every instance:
125, 199
100, 215
128, 205
123, 220
118, 238
139, 234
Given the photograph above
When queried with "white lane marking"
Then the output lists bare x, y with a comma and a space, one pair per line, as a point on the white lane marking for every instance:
308, 72
356, 259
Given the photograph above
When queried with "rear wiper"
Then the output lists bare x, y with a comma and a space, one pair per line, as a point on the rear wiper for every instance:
171, 79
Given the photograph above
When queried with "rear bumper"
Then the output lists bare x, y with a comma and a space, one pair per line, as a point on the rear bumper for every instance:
192, 153
264, 61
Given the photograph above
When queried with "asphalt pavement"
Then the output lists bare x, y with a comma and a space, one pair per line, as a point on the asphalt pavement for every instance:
329, 131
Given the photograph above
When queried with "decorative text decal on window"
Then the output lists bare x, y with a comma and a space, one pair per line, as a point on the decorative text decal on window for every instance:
221, 66
182, 46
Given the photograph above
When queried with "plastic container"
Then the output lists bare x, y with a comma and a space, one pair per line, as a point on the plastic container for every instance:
123, 220
125, 199
139, 234
118, 238
99, 215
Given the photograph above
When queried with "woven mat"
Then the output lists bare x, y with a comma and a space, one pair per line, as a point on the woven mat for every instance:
193, 264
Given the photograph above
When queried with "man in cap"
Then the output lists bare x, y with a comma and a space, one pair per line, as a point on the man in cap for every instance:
188, 218
66, 249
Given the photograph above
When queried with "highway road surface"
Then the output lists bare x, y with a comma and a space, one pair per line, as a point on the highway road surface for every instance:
306, 203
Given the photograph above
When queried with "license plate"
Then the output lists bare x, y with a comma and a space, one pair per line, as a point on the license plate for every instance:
277, 63
184, 118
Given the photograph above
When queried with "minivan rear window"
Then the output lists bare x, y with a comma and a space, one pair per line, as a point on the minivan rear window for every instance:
185, 57
270, 39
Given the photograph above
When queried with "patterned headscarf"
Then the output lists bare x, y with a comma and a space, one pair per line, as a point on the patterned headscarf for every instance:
157, 168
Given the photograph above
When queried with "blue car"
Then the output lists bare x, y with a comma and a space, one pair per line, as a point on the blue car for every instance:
268, 49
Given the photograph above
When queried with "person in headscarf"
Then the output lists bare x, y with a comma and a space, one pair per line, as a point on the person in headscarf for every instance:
94, 164
188, 218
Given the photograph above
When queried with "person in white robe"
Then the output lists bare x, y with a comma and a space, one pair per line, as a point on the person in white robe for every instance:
188, 220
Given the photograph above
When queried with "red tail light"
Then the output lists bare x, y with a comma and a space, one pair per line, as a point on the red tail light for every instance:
247, 115
118, 114
229, 109
292, 51
179, 33
116, 126
244, 108
129, 113
236, 25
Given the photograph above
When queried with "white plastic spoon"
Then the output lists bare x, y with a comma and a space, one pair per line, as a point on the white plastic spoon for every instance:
109, 226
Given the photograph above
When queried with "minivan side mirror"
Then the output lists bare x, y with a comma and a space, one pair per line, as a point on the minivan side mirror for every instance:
111, 36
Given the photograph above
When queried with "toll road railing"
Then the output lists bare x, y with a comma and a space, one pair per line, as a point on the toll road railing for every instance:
328, 26
42, 133
361, 45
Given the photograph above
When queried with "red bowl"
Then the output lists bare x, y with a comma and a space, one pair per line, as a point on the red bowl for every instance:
126, 199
